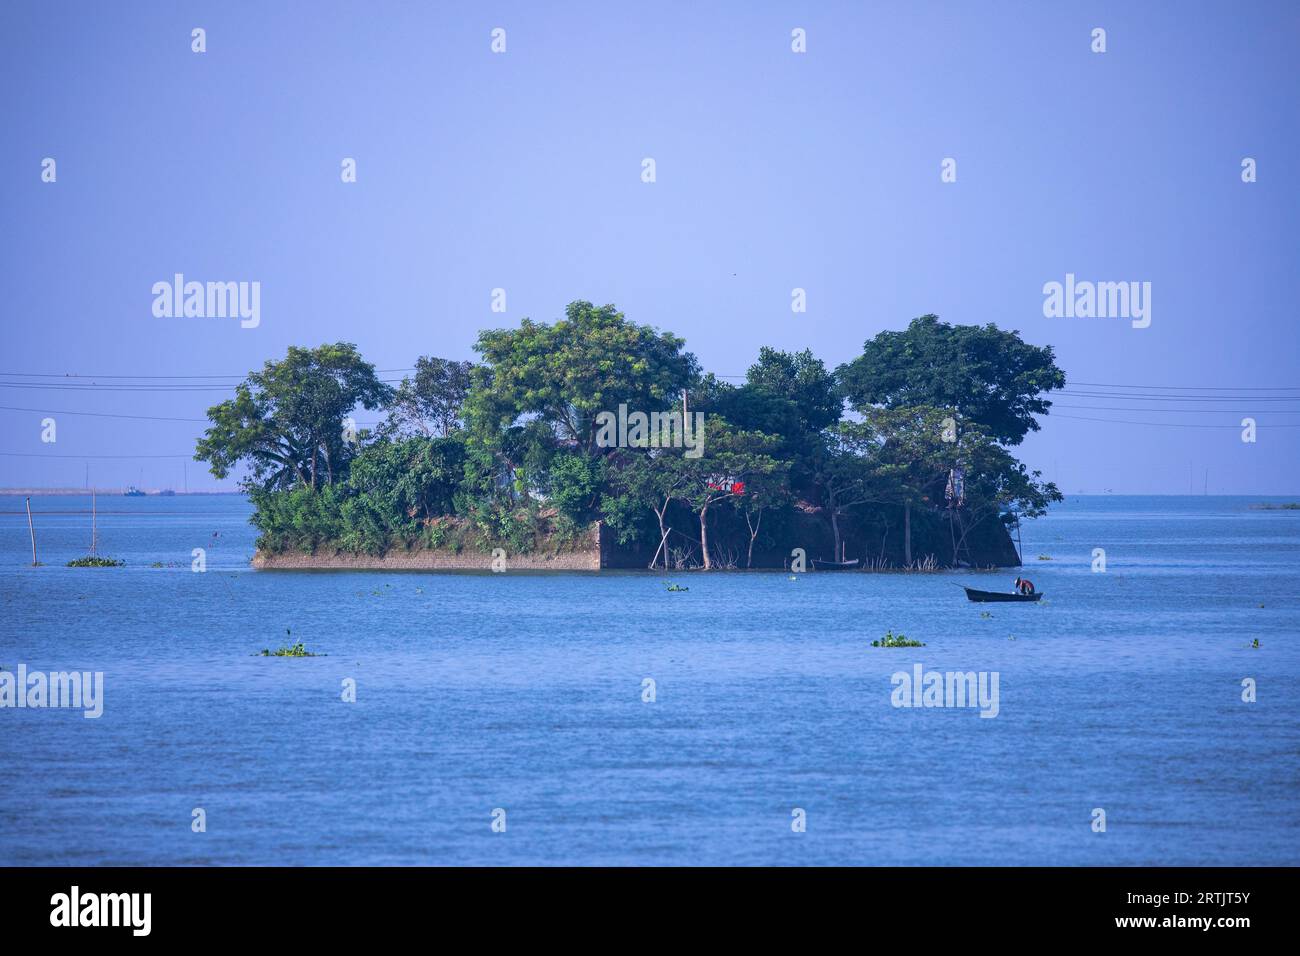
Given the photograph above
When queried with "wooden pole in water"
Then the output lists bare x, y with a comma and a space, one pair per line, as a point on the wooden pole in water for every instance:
31, 530
94, 516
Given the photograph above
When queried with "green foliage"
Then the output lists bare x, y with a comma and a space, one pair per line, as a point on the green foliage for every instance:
397, 487
297, 650
286, 422
801, 379
896, 640
498, 525
431, 403
992, 378
95, 561
294, 650
590, 361
393, 491
298, 518
504, 453
575, 482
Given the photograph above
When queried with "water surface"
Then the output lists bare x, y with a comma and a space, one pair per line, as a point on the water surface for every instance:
1121, 691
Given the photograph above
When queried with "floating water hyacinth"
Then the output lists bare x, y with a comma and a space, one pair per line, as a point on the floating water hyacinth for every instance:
896, 640
295, 650
95, 561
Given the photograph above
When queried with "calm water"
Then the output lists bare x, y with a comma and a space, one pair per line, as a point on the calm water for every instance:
523, 692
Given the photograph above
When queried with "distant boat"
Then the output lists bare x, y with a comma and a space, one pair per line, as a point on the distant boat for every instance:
167, 492
820, 565
133, 492
988, 596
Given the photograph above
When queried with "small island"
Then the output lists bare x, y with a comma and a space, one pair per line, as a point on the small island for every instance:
596, 443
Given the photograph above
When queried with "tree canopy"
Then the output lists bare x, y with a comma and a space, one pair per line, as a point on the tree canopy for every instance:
431, 402
590, 361
505, 452
287, 421
991, 377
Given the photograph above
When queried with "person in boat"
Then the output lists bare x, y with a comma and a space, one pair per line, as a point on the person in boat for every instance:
1024, 586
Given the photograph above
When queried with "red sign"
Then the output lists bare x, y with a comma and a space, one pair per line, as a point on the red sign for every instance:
726, 484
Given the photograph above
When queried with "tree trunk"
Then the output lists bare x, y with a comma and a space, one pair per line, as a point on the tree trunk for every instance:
662, 513
663, 536
753, 533
907, 533
835, 528
704, 536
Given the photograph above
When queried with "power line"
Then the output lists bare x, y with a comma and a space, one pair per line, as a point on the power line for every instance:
29, 454
1177, 398
143, 418
386, 371
382, 371
1122, 421
1201, 388
1173, 411
74, 387
62, 387
56, 411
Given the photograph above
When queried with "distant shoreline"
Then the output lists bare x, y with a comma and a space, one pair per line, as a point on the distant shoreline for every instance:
109, 492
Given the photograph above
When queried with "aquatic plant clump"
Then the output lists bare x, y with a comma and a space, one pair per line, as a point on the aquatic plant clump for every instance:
897, 640
298, 650
95, 561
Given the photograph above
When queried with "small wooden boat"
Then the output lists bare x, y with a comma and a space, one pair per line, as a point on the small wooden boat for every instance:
987, 596
820, 565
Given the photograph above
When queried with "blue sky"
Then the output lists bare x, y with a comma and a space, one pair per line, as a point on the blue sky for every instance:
775, 170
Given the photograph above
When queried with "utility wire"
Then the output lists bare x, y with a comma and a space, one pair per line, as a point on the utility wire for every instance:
56, 411
29, 454
1122, 421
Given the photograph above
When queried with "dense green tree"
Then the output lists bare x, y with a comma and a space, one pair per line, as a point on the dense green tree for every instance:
843, 475
641, 480
505, 453
430, 402
286, 422
750, 408
574, 485
911, 452
990, 377
802, 379
765, 491
788, 395
409, 481
590, 361
915, 451
730, 455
